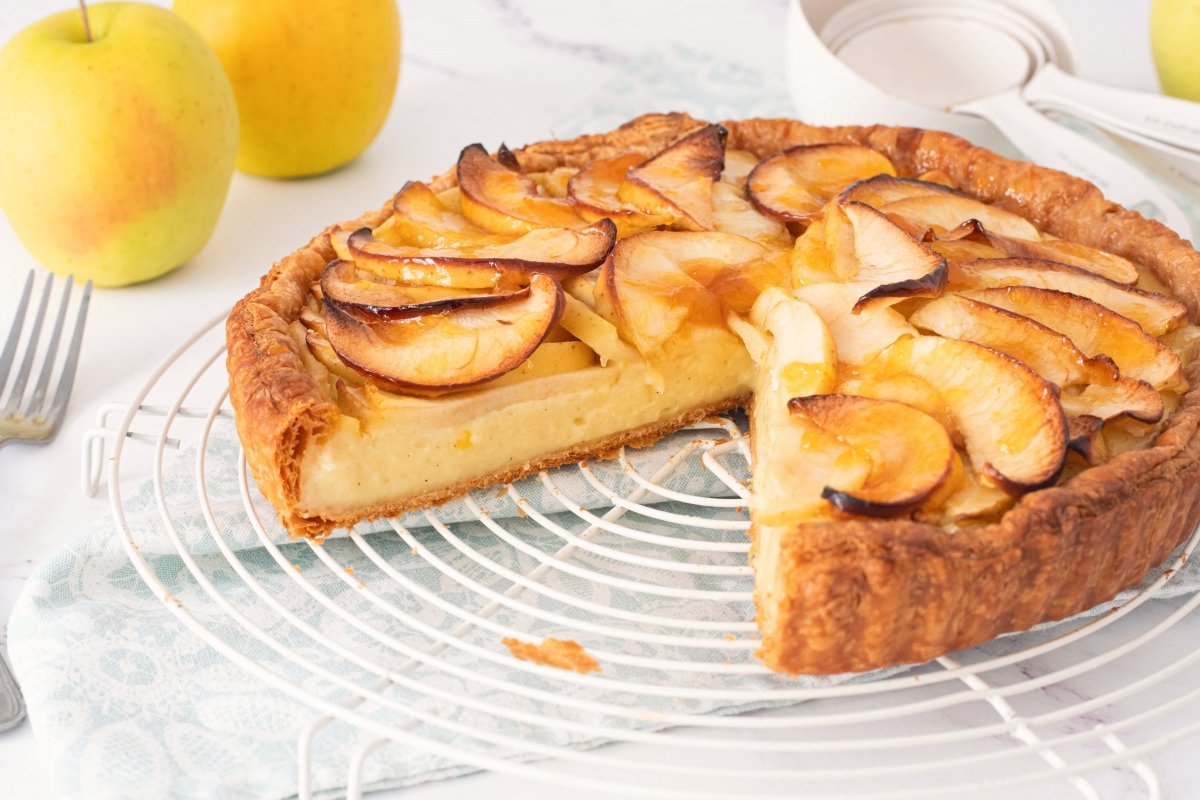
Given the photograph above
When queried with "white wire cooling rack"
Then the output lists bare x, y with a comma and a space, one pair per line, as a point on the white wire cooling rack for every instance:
656, 588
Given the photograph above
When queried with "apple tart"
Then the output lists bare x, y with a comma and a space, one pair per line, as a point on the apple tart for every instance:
969, 377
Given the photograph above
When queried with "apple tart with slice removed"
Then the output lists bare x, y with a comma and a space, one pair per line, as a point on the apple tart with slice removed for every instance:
969, 378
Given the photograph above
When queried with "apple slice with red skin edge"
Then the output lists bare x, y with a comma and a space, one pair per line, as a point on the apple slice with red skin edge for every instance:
1014, 430
880, 190
946, 212
1107, 265
502, 200
678, 181
452, 350
420, 219
1156, 313
341, 283
560, 252
1047, 352
593, 190
909, 453
656, 281
1094, 329
795, 184
886, 256
1084, 437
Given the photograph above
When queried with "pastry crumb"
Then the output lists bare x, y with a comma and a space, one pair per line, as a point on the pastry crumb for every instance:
349, 570
557, 653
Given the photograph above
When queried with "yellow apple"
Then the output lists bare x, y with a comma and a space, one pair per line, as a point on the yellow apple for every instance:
116, 152
314, 80
1175, 41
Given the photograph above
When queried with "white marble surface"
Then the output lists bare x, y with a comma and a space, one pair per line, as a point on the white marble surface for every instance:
485, 70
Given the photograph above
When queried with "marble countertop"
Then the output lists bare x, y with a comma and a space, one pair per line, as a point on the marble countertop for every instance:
477, 70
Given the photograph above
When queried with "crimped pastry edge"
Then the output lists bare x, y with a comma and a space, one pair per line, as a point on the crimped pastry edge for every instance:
867, 593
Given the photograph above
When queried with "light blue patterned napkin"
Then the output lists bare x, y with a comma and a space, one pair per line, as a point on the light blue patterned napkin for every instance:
127, 702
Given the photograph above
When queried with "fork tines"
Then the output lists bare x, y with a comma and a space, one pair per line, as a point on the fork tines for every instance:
43, 406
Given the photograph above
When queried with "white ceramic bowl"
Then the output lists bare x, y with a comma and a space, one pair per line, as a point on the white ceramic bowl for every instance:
877, 36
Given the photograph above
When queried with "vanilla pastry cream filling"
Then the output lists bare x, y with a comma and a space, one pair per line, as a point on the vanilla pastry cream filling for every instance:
411, 446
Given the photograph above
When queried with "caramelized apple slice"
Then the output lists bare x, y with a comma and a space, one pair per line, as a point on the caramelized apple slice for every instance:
883, 189
1156, 313
795, 184
966, 242
1095, 330
1009, 417
890, 260
1085, 438
560, 252
594, 189
1106, 265
678, 181
451, 350
342, 284
657, 281
420, 219
502, 200
945, 212
907, 455
1047, 352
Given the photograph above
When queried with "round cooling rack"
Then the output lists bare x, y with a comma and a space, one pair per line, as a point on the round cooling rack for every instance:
403, 632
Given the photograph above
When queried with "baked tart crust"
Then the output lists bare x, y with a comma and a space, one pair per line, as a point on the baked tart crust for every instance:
862, 593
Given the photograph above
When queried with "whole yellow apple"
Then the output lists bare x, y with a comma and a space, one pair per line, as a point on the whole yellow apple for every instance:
116, 152
314, 81
1175, 42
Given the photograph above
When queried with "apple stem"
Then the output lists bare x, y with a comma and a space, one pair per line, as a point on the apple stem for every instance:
87, 29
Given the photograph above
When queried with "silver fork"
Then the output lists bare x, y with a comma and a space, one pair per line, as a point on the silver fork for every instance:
35, 418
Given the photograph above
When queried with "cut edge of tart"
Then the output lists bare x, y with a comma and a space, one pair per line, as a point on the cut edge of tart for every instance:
850, 592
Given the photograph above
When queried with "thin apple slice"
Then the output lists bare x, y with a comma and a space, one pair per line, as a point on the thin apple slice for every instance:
550, 358
420, 219
859, 335
1047, 352
1125, 397
892, 262
869, 381
883, 189
1106, 265
502, 200
657, 281
944, 212
451, 350
1009, 417
795, 184
1095, 330
791, 468
594, 188
733, 213
560, 252
907, 454
966, 242
595, 331
738, 165
1156, 313
341, 283
678, 181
